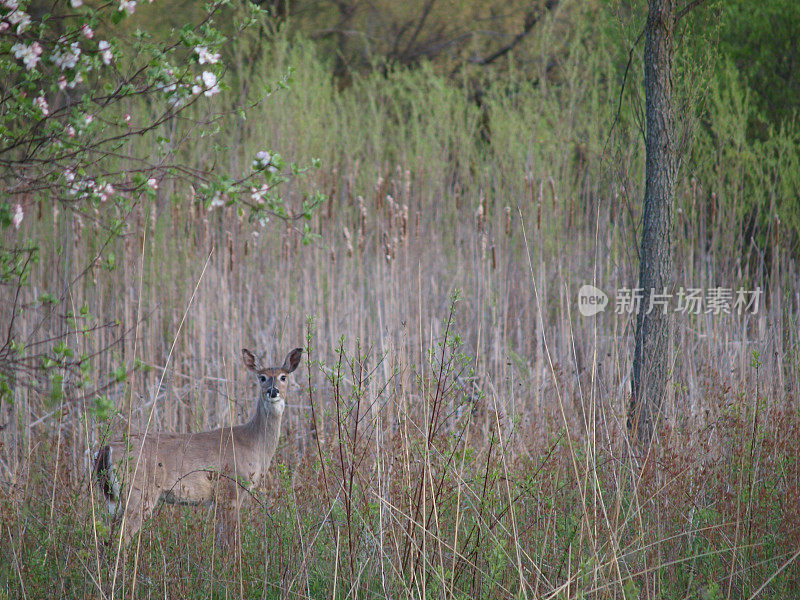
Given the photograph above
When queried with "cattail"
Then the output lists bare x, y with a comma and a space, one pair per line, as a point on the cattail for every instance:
333, 256
391, 205
348, 244
479, 218
404, 223
379, 191
388, 247
408, 184
494, 258
508, 220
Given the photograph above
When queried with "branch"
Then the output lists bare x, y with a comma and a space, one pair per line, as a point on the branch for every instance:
687, 9
531, 19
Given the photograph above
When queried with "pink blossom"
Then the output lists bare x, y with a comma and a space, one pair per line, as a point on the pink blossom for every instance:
42, 105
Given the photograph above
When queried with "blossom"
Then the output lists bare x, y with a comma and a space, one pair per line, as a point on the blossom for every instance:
105, 52
257, 194
87, 31
29, 54
19, 18
105, 191
42, 105
210, 81
152, 183
66, 57
88, 119
18, 215
263, 160
204, 56
127, 6
62, 82
76, 4
78, 79
216, 201
70, 131
10, 4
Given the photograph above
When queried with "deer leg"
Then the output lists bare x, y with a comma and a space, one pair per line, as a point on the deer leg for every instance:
140, 507
228, 515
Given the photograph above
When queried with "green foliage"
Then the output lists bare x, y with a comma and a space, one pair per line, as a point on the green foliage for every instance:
760, 39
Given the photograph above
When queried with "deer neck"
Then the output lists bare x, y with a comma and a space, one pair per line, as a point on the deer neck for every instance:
265, 426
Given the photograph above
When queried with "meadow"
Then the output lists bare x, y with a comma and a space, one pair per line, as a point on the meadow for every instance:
458, 427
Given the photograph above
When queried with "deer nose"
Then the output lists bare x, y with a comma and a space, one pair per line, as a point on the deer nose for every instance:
273, 392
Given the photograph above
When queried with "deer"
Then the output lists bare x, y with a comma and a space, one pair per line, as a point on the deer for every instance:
138, 472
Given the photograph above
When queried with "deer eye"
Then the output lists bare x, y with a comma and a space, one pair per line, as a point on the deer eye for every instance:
262, 378
283, 377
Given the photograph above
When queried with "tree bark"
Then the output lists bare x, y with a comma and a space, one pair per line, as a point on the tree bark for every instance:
651, 360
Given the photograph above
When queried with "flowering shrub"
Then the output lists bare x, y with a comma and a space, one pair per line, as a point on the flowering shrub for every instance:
64, 86
69, 80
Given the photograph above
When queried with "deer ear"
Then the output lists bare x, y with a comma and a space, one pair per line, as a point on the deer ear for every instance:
292, 360
248, 359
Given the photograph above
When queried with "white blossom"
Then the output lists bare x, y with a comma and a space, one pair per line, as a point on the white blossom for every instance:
127, 6
70, 131
152, 183
204, 56
18, 215
10, 4
87, 31
216, 201
105, 191
263, 160
257, 194
29, 54
77, 79
66, 57
210, 82
76, 3
19, 18
105, 52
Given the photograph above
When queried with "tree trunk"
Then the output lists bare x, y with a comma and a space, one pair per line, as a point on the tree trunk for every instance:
651, 360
